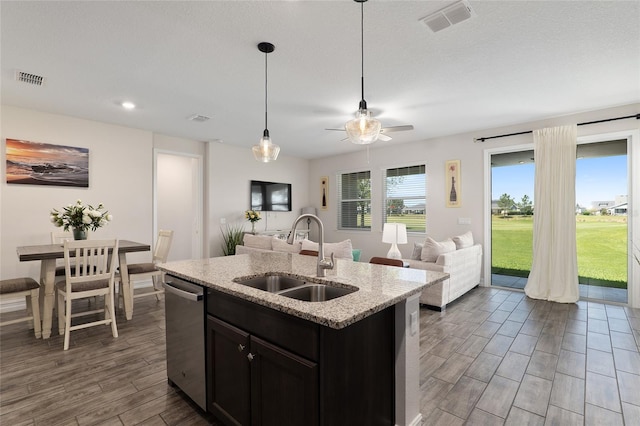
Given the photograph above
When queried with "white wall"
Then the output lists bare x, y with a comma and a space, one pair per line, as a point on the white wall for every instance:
120, 177
230, 171
442, 222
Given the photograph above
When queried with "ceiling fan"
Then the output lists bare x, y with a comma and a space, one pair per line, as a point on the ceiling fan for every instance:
383, 131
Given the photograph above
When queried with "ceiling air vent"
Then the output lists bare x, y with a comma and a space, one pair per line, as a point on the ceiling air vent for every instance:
199, 118
27, 77
450, 15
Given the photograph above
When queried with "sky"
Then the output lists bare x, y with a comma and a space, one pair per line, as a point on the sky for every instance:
597, 179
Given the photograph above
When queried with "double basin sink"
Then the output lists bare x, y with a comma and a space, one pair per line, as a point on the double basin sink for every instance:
295, 288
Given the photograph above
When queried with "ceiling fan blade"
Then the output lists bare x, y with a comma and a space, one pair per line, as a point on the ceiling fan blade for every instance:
384, 137
396, 128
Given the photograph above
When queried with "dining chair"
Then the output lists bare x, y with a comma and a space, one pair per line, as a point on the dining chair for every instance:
95, 277
30, 290
149, 270
60, 238
386, 261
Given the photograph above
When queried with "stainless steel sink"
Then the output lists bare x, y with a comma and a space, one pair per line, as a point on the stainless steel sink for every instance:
295, 288
316, 292
272, 283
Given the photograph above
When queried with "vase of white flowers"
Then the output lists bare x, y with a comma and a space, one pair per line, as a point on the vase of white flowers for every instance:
252, 216
80, 218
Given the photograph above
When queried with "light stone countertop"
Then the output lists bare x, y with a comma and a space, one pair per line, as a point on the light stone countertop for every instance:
378, 286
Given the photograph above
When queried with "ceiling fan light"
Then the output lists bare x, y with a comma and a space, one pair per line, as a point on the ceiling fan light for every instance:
363, 129
265, 151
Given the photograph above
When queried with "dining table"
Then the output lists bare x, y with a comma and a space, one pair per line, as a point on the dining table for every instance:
47, 255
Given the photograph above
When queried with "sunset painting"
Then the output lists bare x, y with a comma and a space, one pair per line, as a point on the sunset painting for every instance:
34, 163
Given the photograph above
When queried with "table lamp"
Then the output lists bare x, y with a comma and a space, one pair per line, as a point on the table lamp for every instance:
394, 233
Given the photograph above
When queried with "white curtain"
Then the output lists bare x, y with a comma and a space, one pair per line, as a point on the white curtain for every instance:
554, 272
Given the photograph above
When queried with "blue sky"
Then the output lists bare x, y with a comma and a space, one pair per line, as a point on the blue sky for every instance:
597, 179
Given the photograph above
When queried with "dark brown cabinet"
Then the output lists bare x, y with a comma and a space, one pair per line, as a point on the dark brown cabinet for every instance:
265, 367
253, 382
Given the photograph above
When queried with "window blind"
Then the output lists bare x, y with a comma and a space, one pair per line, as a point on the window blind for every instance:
354, 200
405, 197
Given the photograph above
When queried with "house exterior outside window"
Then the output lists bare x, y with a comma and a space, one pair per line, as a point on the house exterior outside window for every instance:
405, 197
354, 200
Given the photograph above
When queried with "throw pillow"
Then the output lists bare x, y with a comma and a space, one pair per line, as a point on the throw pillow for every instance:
341, 250
463, 241
417, 251
257, 241
432, 249
283, 246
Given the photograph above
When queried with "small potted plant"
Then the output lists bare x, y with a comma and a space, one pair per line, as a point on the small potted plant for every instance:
231, 237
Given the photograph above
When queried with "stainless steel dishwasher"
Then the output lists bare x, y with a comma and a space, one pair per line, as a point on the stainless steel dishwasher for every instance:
185, 318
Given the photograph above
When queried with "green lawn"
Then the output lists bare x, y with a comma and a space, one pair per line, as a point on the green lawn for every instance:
601, 243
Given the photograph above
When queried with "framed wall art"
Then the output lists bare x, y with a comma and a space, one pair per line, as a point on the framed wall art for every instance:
35, 163
453, 193
324, 191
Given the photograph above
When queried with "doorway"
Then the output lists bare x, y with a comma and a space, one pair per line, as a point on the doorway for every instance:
178, 196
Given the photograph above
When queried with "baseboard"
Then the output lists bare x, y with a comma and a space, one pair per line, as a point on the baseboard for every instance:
417, 421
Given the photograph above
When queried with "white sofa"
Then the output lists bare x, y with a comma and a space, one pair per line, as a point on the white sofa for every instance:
252, 243
463, 266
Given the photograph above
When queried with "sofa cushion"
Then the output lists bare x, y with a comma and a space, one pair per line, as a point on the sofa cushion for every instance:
432, 249
417, 251
283, 246
463, 241
258, 241
341, 250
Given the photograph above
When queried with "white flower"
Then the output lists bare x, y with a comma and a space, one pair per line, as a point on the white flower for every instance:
86, 219
109, 217
53, 219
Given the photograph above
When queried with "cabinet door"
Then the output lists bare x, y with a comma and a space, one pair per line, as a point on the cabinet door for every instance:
229, 372
284, 387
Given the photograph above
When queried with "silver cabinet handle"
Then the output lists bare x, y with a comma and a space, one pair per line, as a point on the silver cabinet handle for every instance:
240, 347
250, 356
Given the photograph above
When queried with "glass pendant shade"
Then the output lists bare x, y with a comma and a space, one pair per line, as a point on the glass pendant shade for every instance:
265, 151
363, 129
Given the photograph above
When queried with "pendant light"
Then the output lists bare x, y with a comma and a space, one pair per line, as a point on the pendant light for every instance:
363, 129
265, 151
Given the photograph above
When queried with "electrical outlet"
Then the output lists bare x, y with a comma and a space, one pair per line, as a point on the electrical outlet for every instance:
223, 220
464, 221
413, 321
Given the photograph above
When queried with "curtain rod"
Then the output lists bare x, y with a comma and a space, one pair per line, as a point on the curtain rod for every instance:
476, 140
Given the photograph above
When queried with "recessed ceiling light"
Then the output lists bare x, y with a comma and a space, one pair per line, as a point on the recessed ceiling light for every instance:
128, 105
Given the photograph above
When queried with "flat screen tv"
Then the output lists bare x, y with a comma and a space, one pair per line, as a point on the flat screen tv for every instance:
270, 196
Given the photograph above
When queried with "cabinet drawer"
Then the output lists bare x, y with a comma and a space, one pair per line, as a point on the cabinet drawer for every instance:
294, 334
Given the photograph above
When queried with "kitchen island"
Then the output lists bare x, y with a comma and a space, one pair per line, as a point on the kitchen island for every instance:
345, 357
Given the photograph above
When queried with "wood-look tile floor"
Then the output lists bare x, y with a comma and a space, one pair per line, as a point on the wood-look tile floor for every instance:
493, 357
100, 380
496, 357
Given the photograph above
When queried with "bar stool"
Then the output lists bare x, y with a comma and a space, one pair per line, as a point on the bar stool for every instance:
29, 288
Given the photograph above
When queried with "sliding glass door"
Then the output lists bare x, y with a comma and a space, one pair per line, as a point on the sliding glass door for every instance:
601, 219
512, 179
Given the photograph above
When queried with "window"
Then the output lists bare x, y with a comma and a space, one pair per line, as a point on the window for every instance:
354, 200
405, 190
